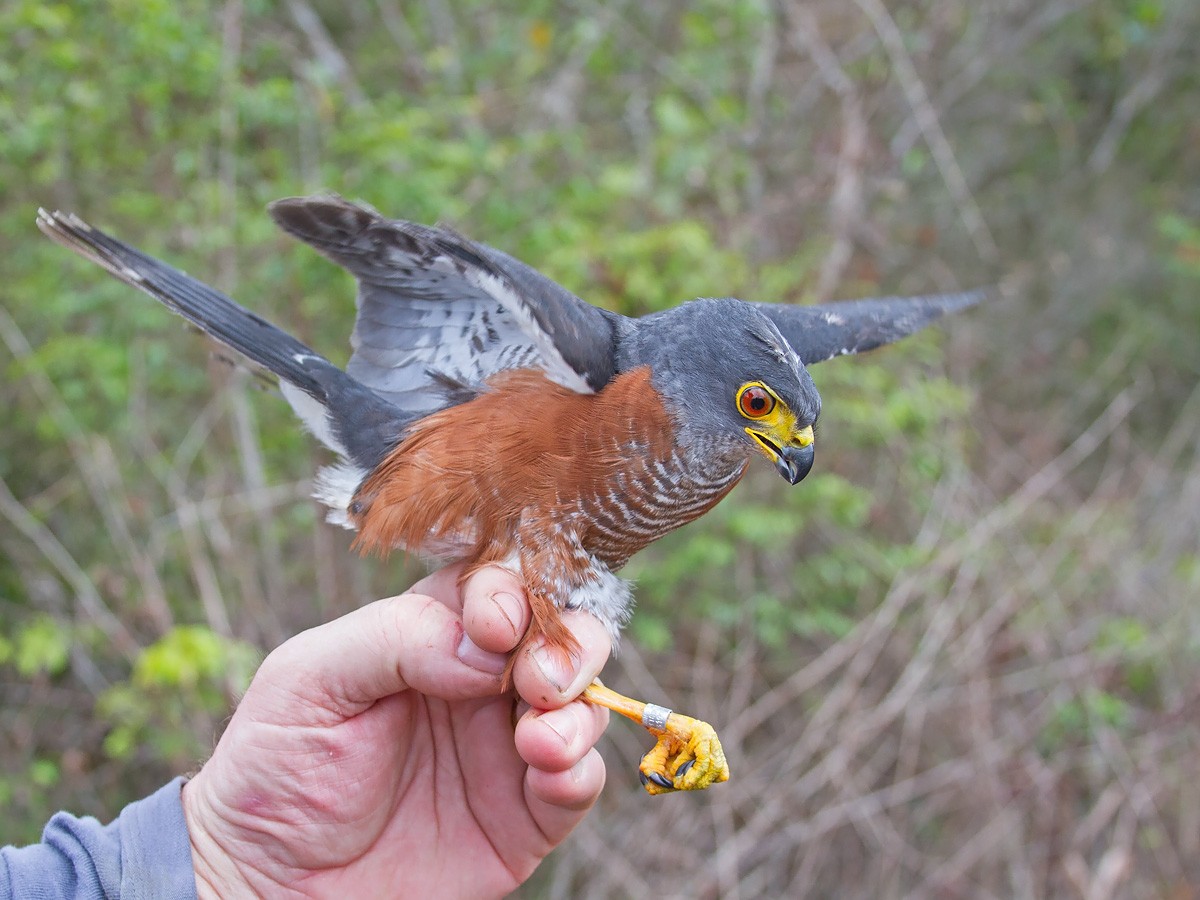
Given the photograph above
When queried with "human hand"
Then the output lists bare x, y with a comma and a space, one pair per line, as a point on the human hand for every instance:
376, 756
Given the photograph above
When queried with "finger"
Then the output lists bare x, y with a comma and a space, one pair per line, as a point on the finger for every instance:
495, 611
555, 740
548, 677
442, 585
446, 585
559, 800
411, 641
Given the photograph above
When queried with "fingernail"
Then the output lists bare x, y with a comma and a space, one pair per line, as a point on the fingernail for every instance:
511, 608
577, 770
475, 657
556, 666
563, 723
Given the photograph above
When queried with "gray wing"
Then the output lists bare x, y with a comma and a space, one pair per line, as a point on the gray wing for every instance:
437, 312
818, 333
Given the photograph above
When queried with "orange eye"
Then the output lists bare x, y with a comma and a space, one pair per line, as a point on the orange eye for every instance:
755, 402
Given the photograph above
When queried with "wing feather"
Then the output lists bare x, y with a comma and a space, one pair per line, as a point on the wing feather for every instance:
436, 308
818, 333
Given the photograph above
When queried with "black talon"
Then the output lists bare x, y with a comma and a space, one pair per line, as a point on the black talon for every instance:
660, 780
683, 770
642, 777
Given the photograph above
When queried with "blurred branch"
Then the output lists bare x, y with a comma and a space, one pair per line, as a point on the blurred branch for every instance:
760, 87
1150, 82
116, 520
253, 501
326, 50
84, 590
270, 560
1050, 475
558, 95
227, 112
927, 117
204, 574
397, 26
449, 39
615, 19
999, 49
846, 198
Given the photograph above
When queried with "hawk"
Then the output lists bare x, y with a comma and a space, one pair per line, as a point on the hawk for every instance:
488, 415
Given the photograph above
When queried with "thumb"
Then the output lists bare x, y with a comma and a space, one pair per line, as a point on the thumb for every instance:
408, 642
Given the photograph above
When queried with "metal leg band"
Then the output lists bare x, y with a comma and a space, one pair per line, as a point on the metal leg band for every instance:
655, 716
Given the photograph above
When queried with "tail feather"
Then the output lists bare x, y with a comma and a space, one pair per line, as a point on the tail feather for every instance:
203, 306
348, 417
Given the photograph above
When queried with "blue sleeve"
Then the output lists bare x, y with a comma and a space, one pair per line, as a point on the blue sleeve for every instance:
143, 853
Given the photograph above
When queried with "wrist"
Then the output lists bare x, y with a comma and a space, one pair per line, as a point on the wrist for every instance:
217, 873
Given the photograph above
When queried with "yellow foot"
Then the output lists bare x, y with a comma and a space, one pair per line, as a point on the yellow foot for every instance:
688, 755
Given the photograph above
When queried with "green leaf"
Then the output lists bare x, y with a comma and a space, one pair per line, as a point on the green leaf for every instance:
182, 658
43, 772
42, 647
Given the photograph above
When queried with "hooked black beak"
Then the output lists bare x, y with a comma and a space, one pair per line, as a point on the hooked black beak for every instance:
794, 463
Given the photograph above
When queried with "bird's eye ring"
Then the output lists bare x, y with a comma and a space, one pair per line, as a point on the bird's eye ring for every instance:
755, 401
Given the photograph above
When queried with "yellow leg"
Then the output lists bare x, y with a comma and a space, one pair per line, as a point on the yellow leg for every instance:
688, 755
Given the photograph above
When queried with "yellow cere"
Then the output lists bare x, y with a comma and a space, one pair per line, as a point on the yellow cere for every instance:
777, 427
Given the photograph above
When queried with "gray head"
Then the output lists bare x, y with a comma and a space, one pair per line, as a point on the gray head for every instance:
727, 373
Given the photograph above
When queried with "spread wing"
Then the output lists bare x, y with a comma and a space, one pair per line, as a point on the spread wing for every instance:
437, 312
818, 333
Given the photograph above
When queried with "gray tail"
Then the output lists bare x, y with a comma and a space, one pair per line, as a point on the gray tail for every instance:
203, 306
364, 425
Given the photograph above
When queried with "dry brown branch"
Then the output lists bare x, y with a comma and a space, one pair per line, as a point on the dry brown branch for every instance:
1150, 80
983, 60
84, 590
927, 117
846, 197
92, 460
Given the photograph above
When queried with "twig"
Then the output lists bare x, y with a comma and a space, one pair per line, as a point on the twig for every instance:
326, 50
984, 56
254, 478
84, 458
446, 33
410, 48
1154, 77
846, 198
927, 118
85, 592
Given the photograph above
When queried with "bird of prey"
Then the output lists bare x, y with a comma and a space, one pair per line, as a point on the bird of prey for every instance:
488, 415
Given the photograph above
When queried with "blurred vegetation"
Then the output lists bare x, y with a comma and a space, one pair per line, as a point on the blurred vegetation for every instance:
962, 658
